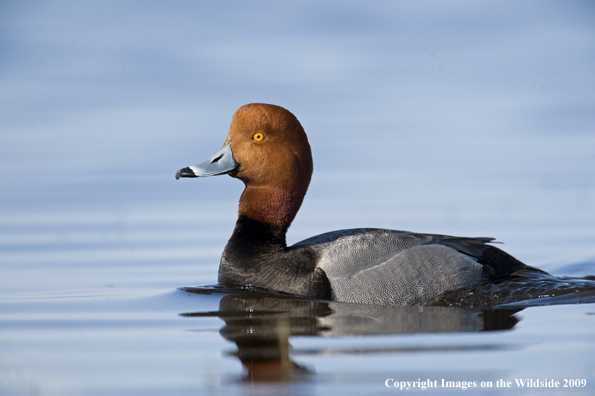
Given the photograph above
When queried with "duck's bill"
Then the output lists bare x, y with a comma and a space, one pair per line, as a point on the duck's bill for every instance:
220, 163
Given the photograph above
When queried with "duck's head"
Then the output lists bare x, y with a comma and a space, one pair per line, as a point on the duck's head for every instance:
268, 150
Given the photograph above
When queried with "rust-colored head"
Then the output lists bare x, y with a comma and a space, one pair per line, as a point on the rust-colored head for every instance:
275, 161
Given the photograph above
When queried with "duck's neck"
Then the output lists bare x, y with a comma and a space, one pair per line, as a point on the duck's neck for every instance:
253, 240
275, 206
264, 216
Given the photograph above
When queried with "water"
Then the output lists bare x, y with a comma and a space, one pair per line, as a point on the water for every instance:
441, 117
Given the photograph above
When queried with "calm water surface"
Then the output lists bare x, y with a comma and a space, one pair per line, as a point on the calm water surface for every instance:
440, 117
94, 308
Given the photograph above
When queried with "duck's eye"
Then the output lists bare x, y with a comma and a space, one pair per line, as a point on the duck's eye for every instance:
258, 136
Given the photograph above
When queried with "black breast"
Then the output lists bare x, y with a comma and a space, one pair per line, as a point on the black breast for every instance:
257, 255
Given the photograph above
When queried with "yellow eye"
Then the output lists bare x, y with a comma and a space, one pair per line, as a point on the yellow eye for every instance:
258, 136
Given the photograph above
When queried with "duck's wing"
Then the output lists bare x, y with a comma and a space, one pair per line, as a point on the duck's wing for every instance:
399, 267
361, 248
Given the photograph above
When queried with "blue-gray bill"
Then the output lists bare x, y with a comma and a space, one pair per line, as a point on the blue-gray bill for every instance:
222, 162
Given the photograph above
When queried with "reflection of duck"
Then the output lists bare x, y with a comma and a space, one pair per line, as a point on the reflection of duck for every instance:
261, 325
268, 150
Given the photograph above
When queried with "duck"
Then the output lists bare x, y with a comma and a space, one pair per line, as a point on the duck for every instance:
268, 150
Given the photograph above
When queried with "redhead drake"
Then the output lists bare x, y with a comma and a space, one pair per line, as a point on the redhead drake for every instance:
268, 150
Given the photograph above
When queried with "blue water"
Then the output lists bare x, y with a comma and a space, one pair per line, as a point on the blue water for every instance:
448, 117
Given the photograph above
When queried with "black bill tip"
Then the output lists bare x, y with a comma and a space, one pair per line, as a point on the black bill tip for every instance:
185, 172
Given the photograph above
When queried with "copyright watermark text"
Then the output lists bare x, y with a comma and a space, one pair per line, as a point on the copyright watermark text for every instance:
464, 385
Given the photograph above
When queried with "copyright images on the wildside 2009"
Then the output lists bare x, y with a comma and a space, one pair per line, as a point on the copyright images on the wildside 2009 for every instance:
501, 383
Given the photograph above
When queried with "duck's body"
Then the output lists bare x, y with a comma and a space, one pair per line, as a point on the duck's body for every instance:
267, 149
